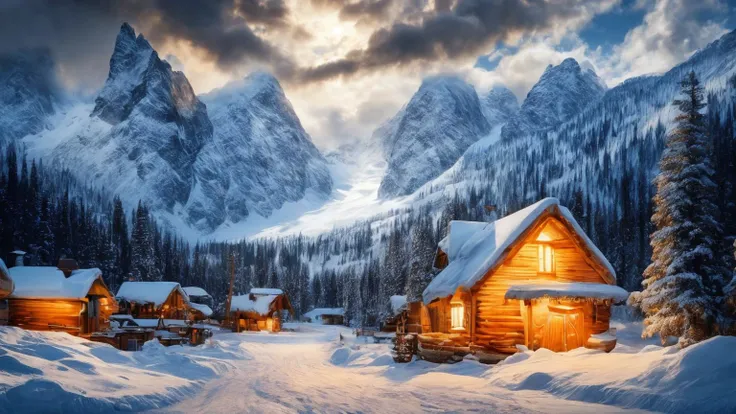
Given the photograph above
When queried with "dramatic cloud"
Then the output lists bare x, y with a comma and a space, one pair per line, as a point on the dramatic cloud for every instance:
466, 30
348, 65
669, 35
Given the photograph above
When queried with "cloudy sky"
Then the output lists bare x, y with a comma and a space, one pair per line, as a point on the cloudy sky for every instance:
348, 65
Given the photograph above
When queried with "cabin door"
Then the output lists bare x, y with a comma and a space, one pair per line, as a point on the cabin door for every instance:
564, 329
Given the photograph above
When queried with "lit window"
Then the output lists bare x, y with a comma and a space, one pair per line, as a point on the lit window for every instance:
457, 316
546, 258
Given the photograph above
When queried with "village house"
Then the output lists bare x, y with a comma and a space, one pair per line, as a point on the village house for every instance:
530, 279
63, 298
325, 316
259, 310
153, 300
6, 288
200, 303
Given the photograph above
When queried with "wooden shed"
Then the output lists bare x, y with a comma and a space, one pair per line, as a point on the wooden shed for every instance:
47, 298
325, 316
532, 278
153, 300
6, 288
200, 303
259, 310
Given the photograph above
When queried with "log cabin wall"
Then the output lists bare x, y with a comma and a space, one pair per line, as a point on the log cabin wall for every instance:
47, 315
498, 321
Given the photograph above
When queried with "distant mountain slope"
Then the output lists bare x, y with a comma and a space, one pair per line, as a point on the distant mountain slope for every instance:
440, 122
28, 93
260, 156
148, 137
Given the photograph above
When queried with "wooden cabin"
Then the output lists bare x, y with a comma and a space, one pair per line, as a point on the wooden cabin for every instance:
260, 310
325, 316
153, 300
200, 303
6, 288
63, 298
532, 278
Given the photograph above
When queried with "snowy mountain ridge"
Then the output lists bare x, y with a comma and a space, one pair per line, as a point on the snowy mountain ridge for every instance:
150, 138
438, 124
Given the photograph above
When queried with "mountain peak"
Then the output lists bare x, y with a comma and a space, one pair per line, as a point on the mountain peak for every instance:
561, 92
442, 119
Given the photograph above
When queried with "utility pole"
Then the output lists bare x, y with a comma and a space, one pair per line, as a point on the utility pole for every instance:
230, 291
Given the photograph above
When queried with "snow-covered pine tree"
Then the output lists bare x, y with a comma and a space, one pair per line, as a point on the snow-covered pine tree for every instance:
683, 279
420, 261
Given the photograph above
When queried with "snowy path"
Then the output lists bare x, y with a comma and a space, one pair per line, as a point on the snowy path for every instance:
308, 371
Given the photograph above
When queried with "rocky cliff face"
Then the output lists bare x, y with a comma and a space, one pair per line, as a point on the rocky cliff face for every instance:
28, 93
148, 137
260, 157
440, 122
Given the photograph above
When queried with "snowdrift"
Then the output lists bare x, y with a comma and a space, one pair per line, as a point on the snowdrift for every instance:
56, 372
665, 379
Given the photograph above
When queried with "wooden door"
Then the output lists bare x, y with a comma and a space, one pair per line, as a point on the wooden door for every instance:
564, 330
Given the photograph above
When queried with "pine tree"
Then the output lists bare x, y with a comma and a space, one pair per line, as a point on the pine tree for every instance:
684, 277
420, 262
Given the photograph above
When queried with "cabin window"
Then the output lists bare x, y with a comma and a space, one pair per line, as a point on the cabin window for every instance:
546, 258
457, 316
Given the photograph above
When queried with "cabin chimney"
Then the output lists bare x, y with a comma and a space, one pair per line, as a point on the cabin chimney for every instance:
67, 266
19, 255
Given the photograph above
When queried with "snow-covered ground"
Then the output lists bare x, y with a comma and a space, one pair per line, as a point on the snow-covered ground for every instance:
310, 368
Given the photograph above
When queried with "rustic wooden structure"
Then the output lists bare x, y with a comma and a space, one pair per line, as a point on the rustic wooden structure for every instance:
200, 303
124, 339
532, 278
260, 310
153, 300
72, 300
325, 316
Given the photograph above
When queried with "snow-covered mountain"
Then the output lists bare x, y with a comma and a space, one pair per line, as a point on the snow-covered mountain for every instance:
560, 94
260, 156
438, 124
148, 137
499, 105
28, 94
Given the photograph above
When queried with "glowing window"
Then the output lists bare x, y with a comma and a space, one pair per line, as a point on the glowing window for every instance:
457, 315
546, 258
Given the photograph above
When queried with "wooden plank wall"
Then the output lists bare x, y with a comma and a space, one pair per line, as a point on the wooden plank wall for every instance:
499, 323
46, 315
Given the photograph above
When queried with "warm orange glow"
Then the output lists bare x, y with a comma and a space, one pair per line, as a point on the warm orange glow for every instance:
457, 316
546, 255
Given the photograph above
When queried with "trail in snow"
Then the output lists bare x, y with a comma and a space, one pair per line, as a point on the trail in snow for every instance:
310, 371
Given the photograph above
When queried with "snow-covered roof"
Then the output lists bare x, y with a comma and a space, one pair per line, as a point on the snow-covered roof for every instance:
206, 310
195, 291
266, 291
318, 312
148, 292
458, 233
483, 248
567, 290
261, 304
20, 252
49, 282
398, 304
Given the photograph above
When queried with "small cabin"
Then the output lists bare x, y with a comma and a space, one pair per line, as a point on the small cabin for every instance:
200, 303
396, 318
325, 316
530, 279
260, 310
63, 298
153, 300
6, 288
